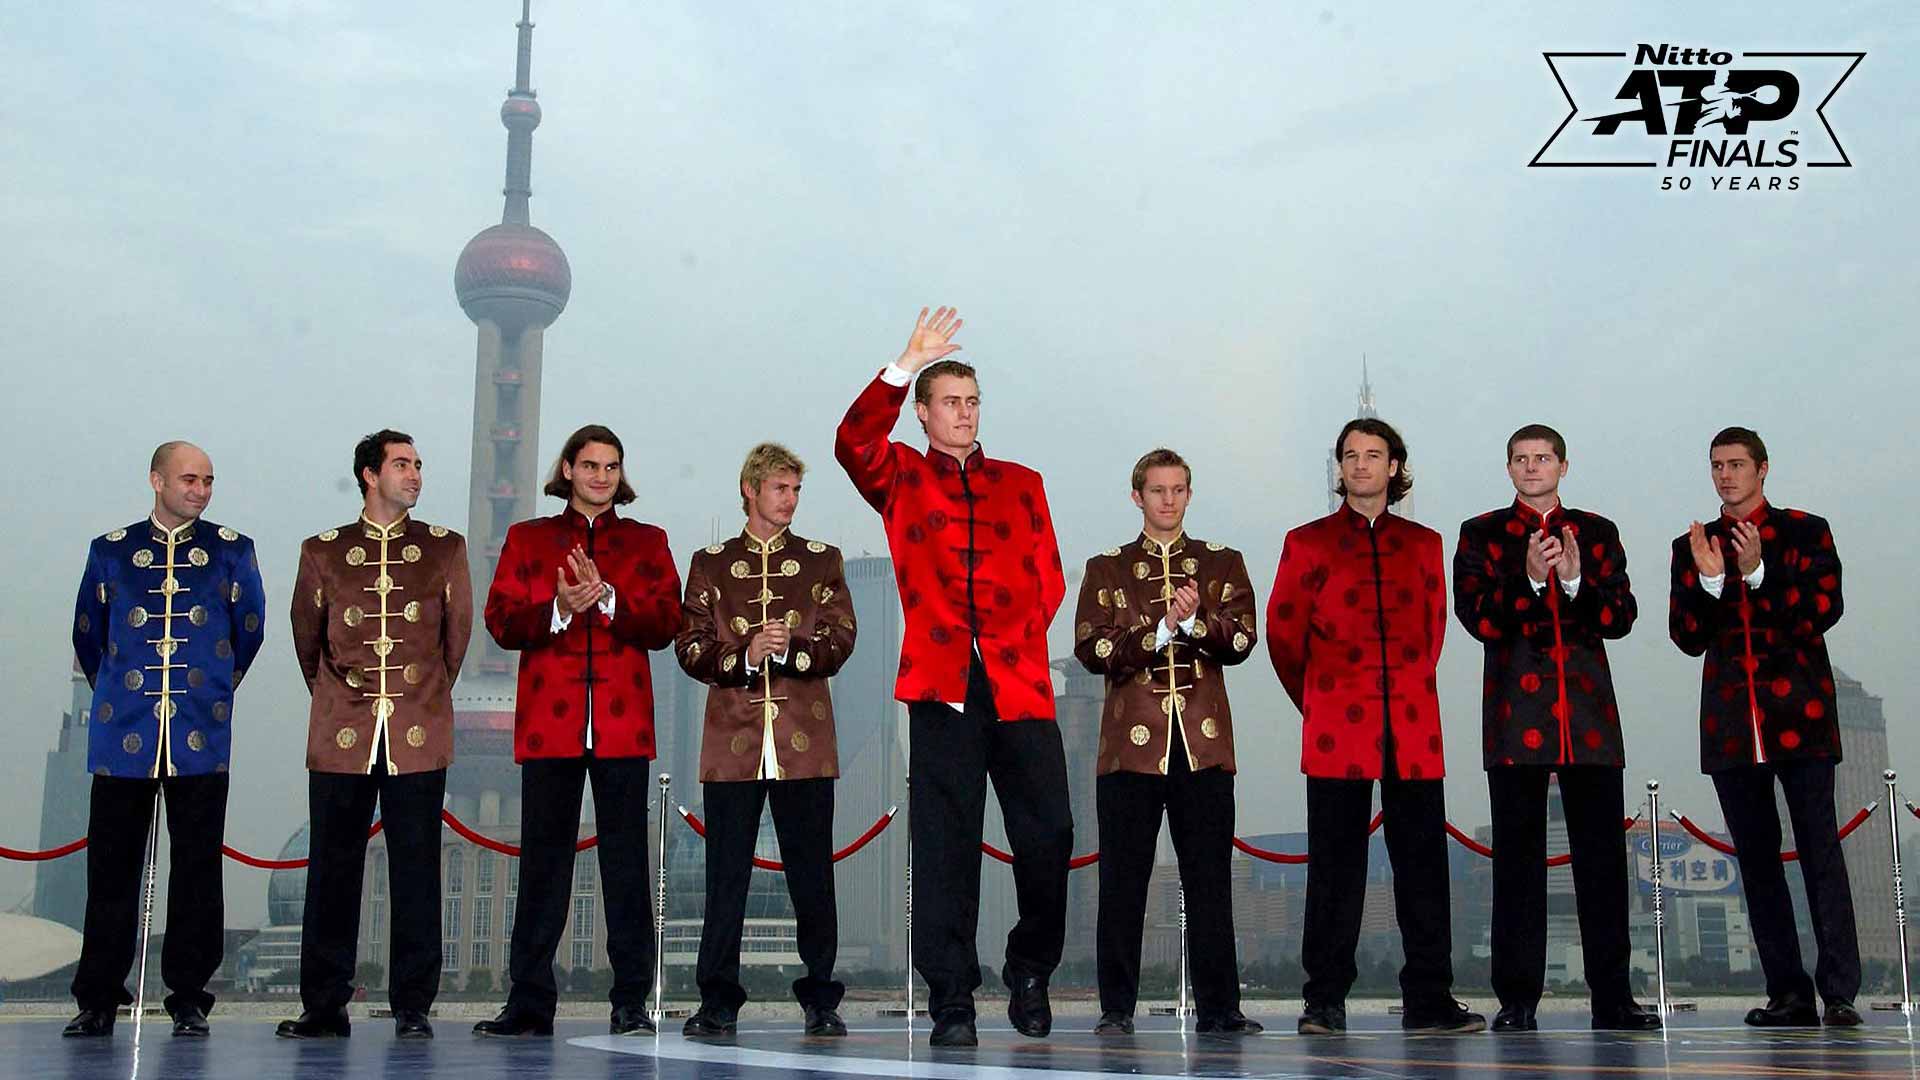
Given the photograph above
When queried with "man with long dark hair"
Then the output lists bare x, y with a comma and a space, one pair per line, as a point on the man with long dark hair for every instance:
583, 596
1354, 626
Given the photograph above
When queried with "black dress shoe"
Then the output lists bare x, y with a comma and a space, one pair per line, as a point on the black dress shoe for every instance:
1114, 1022
709, 1024
630, 1020
1517, 1018
411, 1024
1842, 1014
90, 1024
515, 1023
954, 1027
1324, 1020
1027, 1007
191, 1023
1784, 1012
314, 1025
1232, 1022
824, 1022
1452, 1018
1627, 1016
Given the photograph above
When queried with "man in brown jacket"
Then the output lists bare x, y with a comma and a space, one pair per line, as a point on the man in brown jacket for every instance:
767, 620
1161, 618
382, 613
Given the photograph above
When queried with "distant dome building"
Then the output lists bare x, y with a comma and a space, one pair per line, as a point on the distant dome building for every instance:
287, 889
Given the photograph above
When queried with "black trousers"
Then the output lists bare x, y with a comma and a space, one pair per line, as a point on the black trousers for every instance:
1337, 815
803, 820
1746, 798
550, 790
1594, 805
340, 810
951, 756
120, 814
1199, 812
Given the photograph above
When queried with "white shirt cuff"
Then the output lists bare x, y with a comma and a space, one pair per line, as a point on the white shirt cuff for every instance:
561, 620
752, 670
1162, 635
1572, 588
1714, 584
895, 375
1758, 576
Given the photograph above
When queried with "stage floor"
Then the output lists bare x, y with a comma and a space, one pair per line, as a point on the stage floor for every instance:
1713, 1044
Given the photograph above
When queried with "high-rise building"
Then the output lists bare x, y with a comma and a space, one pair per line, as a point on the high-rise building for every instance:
1364, 408
870, 731
1857, 782
513, 281
60, 885
1077, 707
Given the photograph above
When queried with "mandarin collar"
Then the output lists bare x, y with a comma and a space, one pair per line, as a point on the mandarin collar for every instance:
163, 535
945, 462
578, 520
757, 546
1758, 516
385, 532
1152, 546
1534, 518
1357, 520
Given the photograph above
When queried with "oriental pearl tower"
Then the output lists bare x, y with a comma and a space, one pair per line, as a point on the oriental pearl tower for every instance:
513, 281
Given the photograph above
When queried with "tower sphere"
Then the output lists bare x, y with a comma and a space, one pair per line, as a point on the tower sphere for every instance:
514, 276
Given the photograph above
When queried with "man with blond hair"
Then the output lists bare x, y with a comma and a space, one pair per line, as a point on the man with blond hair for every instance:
766, 621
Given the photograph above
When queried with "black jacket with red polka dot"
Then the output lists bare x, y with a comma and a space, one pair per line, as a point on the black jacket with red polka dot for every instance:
1547, 697
1766, 686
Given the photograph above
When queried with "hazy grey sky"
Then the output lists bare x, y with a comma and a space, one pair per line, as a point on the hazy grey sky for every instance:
236, 222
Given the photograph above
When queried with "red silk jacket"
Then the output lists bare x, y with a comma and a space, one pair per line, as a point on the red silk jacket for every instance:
973, 555
554, 706
1354, 627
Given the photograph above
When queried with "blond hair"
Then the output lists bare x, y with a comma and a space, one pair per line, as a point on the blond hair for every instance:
765, 460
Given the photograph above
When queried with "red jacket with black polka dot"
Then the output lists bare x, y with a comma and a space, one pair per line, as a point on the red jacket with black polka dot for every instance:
974, 556
1766, 686
1547, 697
1354, 627
591, 679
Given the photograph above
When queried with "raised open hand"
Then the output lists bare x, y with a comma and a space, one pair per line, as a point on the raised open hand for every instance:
932, 339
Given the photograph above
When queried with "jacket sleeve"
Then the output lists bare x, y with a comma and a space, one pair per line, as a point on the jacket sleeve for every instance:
1490, 602
697, 646
1605, 603
1046, 556
456, 620
1802, 596
1107, 637
90, 614
1290, 616
1693, 617
309, 616
862, 446
834, 627
519, 612
1230, 622
646, 611
246, 608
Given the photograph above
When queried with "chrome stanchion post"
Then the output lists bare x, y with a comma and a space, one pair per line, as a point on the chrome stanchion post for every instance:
146, 919
1659, 900
909, 996
660, 914
1899, 890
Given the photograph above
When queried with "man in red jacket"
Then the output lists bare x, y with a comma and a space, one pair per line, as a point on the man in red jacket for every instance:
583, 595
1358, 610
980, 579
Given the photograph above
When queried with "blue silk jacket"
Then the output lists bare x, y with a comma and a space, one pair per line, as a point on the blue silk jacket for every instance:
165, 627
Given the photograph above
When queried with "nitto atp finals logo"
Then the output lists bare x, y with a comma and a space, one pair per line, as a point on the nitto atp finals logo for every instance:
1705, 119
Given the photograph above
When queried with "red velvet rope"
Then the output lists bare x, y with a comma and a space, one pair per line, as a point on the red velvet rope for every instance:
1075, 863
509, 850
1486, 852
879, 826
17, 855
1725, 848
1289, 857
276, 864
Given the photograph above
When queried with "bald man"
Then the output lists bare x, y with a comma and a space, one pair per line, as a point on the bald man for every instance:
167, 621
